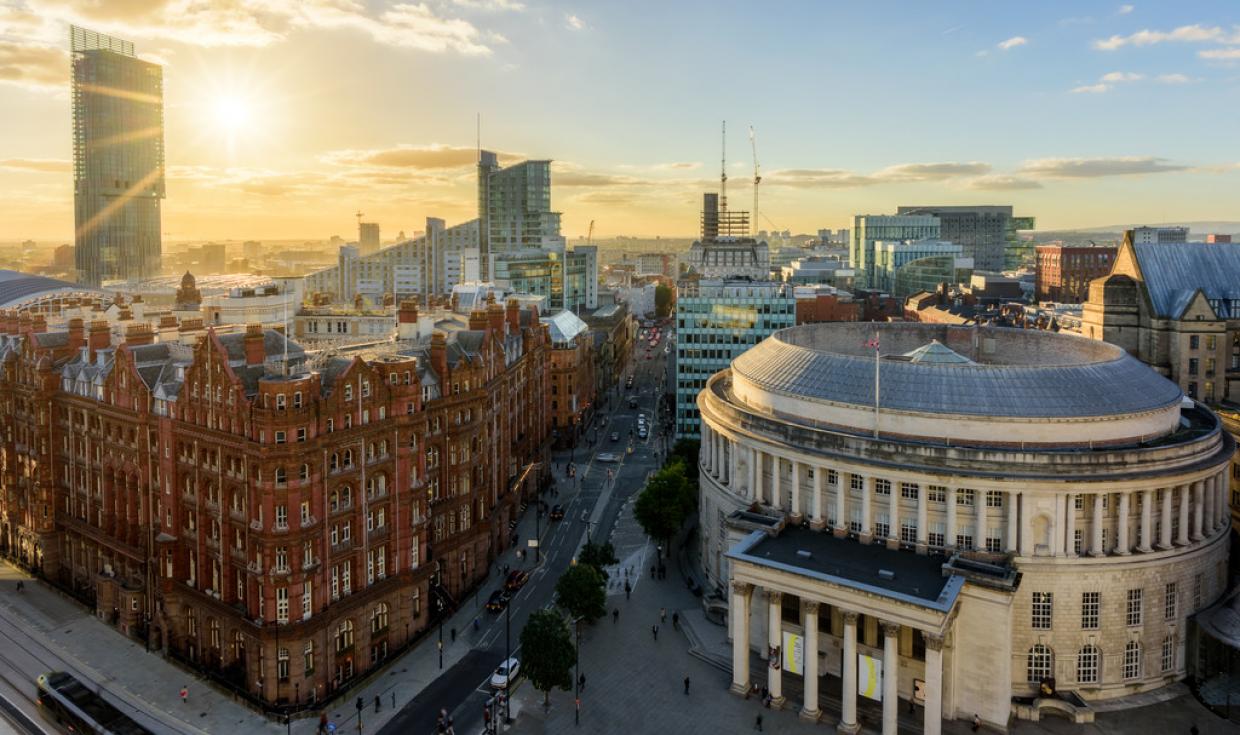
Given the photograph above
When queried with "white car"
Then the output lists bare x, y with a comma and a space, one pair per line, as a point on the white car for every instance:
510, 668
608, 457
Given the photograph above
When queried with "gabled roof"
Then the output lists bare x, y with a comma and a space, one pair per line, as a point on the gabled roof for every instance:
938, 353
1174, 272
564, 325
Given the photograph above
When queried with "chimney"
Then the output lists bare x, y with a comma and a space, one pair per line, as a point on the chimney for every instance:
11, 322
139, 334
77, 334
439, 357
255, 352
478, 319
514, 315
100, 337
495, 315
23, 324
407, 319
38, 324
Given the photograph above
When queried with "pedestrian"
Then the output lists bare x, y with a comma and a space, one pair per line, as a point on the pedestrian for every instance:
676, 621
654, 629
628, 591
322, 723
686, 686
652, 571
615, 616
184, 695
757, 724
393, 700
476, 625
663, 615
581, 682
453, 633
977, 722
378, 703
1193, 730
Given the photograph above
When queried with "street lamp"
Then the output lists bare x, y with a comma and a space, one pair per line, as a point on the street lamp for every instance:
507, 658
577, 654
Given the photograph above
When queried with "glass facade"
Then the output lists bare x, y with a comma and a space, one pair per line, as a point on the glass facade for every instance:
715, 322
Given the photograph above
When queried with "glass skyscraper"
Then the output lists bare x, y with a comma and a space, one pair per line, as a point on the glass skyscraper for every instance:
514, 206
118, 158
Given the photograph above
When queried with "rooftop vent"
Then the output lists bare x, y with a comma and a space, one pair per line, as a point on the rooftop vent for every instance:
886, 574
803, 554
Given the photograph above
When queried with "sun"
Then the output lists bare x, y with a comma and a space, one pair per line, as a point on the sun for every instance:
232, 114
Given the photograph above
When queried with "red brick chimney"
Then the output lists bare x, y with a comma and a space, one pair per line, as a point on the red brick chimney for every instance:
478, 319
495, 315
38, 324
514, 315
139, 334
77, 333
100, 337
23, 324
408, 313
439, 357
255, 352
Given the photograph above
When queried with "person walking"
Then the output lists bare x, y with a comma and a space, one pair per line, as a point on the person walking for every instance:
686, 686
322, 723
977, 722
184, 695
581, 682
378, 703
757, 724
628, 591
663, 615
654, 629
676, 621
615, 616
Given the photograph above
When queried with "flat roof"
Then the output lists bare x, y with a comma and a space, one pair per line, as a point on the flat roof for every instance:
915, 578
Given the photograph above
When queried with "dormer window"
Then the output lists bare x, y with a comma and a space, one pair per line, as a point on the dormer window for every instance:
348, 391
297, 399
280, 401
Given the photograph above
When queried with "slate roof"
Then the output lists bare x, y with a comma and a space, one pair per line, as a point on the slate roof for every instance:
1030, 374
16, 286
564, 325
1174, 272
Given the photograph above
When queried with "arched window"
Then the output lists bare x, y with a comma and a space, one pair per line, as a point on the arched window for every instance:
1087, 662
1040, 664
1168, 653
1132, 660
333, 501
383, 448
344, 636
346, 496
281, 476
280, 401
335, 461
381, 483
305, 472
379, 618
348, 458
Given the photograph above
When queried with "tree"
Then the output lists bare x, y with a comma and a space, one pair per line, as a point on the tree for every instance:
582, 592
687, 450
598, 556
666, 501
547, 645
662, 300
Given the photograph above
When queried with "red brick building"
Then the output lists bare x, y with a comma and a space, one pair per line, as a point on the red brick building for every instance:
283, 521
1064, 271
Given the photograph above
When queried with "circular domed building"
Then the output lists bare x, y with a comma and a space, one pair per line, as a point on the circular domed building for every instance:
1022, 520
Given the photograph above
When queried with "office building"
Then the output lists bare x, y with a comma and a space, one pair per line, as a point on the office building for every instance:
819, 269
1158, 235
367, 238
1217, 239
1022, 511
870, 228
514, 208
568, 279
118, 159
1063, 272
904, 268
988, 234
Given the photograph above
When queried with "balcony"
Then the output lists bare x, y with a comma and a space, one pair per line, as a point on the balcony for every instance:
277, 572
254, 568
256, 525
379, 533
236, 554
309, 564
308, 521
280, 528
189, 532
342, 546
237, 514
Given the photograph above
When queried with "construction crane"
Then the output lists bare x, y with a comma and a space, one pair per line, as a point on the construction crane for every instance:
757, 179
359, 216
723, 170
590, 234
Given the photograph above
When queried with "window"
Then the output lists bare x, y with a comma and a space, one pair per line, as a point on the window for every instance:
908, 533
280, 437
282, 516
282, 558
908, 490
1197, 585
882, 487
1091, 604
994, 499
281, 477
964, 496
379, 618
1169, 601
1168, 653
856, 482
282, 604
936, 493
1043, 605
1087, 665
307, 600
282, 664
1194, 342
1132, 660
344, 636
1039, 664
1133, 616
307, 658
964, 541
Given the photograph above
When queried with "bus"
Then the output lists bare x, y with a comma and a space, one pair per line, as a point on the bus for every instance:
77, 709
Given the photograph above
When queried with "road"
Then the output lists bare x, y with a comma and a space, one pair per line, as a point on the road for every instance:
463, 690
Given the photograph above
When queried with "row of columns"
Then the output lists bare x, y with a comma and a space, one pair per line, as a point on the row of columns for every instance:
1206, 500
739, 616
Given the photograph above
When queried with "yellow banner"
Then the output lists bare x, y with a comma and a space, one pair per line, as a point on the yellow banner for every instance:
870, 677
794, 653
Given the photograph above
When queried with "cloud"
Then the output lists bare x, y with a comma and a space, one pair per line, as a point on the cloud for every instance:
592, 179
818, 178
491, 5
1090, 89
1088, 168
1195, 33
678, 166
574, 23
1002, 183
931, 171
1220, 54
1125, 10
897, 174
428, 157
1012, 43
1174, 78
34, 66
48, 165
1122, 76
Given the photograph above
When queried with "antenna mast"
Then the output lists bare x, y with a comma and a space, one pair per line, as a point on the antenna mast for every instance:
757, 179
723, 169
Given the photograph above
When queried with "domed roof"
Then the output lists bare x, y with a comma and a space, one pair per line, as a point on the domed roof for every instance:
187, 281
940, 369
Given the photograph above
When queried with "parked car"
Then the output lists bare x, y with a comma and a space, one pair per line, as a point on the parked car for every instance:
607, 457
506, 671
615, 436
632, 402
516, 580
498, 601
557, 513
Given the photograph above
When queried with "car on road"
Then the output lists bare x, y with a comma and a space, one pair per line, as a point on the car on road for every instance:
498, 601
607, 457
615, 436
507, 670
516, 580
632, 402
557, 513
642, 433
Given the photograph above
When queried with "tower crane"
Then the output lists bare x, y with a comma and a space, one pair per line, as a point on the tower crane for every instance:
359, 216
723, 170
757, 179
590, 234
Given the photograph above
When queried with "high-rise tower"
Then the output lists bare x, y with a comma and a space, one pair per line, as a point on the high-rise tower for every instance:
118, 158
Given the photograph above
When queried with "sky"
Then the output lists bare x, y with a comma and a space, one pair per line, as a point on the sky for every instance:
286, 117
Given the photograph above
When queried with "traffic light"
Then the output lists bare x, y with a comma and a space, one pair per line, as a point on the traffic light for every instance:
360, 704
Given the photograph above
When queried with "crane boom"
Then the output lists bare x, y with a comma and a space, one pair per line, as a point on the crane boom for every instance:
757, 179
723, 169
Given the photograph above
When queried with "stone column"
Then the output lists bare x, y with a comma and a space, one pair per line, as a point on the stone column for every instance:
1122, 545
950, 541
848, 695
725, 455
1099, 518
796, 490
841, 503
1147, 521
1222, 506
755, 458
867, 518
707, 450
1060, 522
1026, 528
1011, 544
810, 711
1069, 534
1211, 519
923, 522
738, 617
774, 666
777, 482
893, 515
1184, 515
1198, 508
891, 679
932, 724
1164, 534
816, 521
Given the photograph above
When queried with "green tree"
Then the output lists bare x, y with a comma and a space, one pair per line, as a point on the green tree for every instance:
665, 502
598, 556
662, 300
687, 451
547, 645
582, 592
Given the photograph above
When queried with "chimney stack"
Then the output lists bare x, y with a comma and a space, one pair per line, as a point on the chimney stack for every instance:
495, 315
139, 334
478, 319
77, 333
100, 337
255, 351
514, 315
439, 357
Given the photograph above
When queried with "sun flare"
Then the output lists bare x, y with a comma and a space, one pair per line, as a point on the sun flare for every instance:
232, 113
